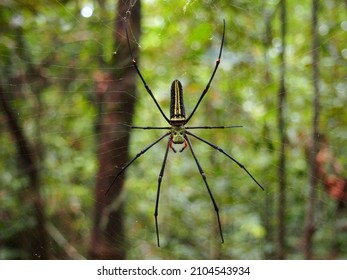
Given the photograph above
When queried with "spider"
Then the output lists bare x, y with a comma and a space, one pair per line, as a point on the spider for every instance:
179, 133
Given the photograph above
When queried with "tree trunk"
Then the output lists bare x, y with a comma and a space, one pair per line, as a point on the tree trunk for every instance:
309, 223
282, 96
117, 91
34, 240
269, 200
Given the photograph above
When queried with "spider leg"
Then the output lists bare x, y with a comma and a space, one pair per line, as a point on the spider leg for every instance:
229, 156
213, 73
184, 146
213, 127
202, 173
144, 127
136, 157
171, 146
142, 79
160, 177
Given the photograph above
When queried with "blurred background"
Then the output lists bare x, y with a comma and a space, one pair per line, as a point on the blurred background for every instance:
67, 81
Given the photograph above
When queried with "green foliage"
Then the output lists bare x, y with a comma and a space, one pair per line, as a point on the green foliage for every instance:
180, 40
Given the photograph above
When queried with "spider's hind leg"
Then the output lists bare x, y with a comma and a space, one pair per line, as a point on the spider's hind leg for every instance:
202, 173
160, 177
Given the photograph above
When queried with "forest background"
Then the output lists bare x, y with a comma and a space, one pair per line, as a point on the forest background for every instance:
67, 81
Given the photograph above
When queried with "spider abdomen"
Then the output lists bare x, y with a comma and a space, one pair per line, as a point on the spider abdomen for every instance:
177, 112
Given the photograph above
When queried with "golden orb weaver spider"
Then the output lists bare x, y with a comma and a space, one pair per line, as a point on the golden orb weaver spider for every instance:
178, 134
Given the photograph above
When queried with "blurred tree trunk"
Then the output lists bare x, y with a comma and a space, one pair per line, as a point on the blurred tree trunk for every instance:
33, 240
309, 223
269, 200
282, 96
116, 92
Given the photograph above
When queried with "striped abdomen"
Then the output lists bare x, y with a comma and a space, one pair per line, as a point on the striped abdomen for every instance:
177, 112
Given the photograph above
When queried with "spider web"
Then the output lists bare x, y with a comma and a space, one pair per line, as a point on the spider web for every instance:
181, 41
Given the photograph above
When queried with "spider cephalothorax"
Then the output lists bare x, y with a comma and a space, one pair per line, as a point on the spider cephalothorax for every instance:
178, 134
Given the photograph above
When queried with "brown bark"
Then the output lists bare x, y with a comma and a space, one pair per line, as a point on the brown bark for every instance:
330, 174
34, 240
282, 100
310, 223
117, 92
